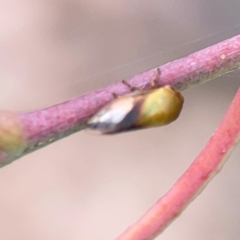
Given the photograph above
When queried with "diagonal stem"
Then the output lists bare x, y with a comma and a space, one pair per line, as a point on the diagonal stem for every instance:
23, 133
193, 181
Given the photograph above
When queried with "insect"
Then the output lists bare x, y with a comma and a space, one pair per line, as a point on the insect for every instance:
139, 109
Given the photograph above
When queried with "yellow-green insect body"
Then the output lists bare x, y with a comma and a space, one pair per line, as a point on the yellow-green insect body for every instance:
160, 107
141, 109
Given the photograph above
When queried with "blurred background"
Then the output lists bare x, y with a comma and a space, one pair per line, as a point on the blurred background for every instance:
92, 187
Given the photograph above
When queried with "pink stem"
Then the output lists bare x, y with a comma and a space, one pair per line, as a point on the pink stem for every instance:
26, 132
193, 181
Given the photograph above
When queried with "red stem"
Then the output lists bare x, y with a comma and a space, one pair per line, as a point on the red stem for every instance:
65, 118
23, 133
206, 166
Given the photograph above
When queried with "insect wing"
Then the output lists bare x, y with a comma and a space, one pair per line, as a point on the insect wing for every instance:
110, 119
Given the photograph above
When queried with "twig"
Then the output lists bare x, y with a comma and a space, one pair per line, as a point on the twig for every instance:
193, 181
23, 133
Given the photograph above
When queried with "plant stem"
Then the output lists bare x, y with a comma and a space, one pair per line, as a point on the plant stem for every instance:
23, 133
193, 181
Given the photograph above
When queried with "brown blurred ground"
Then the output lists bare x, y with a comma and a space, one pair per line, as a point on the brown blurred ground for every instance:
89, 187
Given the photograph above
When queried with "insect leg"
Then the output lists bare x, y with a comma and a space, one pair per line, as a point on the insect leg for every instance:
131, 87
154, 83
